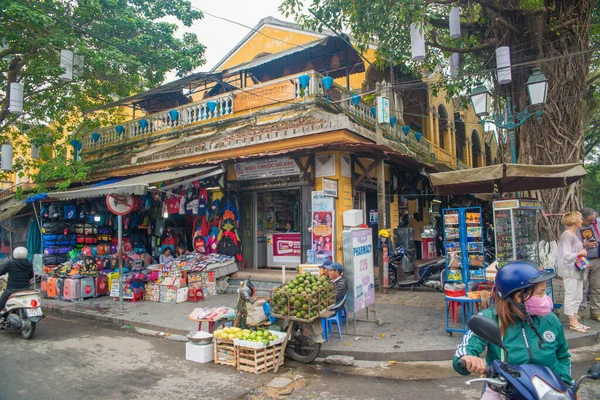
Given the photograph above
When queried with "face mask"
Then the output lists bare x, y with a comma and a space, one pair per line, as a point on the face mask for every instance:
540, 306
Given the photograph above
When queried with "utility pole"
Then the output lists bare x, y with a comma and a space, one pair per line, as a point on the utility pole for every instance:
381, 200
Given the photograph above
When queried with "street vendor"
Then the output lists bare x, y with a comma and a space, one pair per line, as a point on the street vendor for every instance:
334, 271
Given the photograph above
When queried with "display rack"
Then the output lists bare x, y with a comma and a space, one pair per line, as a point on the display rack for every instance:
515, 226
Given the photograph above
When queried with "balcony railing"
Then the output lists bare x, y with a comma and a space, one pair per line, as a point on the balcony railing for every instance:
284, 90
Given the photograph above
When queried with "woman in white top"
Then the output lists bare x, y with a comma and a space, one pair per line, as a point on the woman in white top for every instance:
569, 248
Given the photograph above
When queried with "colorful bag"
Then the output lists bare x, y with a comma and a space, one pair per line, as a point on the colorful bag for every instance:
582, 263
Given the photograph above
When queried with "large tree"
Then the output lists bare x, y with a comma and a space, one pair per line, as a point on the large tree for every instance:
557, 36
128, 46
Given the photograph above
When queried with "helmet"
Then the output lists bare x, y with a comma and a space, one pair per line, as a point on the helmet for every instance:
20, 253
384, 233
518, 275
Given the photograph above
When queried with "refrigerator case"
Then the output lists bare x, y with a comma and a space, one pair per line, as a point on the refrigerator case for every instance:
515, 227
463, 242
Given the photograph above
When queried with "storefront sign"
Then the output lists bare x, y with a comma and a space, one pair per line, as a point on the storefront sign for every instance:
114, 290
358, 268
287, 248
373, 217
323, 223
269, 168
271, 94
383, 110
316, 271
330, 187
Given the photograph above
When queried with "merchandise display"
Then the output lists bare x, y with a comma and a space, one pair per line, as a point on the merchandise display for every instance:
515, 226
463, 241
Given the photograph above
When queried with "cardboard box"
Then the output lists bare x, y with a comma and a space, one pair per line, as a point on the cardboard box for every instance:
182, 294
201, 353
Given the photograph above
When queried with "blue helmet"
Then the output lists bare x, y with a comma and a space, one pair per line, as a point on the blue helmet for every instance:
518, 275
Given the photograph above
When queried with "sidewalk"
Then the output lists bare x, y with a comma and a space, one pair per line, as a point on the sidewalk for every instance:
413, 328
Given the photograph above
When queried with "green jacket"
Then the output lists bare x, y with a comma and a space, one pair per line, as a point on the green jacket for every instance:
554, 354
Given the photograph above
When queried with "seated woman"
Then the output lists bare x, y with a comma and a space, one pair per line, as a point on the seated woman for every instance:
166, 256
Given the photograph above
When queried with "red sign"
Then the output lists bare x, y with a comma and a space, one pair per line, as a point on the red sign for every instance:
120, 204
87, 289
287, 247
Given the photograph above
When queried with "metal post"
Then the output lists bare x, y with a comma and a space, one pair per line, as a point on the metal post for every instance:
381, 199
120, 253
511, 132
37, 219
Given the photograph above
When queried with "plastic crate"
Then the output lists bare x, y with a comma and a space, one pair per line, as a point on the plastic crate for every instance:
258, 361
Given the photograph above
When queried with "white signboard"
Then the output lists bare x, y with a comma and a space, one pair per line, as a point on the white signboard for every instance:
269, 168
358, 268
114, 290
330, 187
383, 110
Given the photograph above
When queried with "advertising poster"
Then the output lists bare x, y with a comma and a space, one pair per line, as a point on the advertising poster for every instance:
358, 268
323, 222
287, 247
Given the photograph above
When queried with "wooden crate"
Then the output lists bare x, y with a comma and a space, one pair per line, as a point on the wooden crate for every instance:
258, 361
225, 352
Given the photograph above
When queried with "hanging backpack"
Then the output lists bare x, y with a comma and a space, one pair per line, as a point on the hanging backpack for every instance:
228, 246
199, 243
202, 201
54, 211
69, 211
83, 212
213, 240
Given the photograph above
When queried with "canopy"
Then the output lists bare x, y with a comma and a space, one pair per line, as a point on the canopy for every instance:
10, 209
137, 186
507, 178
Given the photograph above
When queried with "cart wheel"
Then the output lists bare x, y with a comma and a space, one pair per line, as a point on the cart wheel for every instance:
450, 333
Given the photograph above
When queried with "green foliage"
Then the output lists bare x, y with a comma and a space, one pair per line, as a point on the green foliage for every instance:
591, 186
127, 47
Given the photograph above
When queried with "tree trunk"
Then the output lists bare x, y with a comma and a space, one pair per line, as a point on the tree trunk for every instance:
558, 138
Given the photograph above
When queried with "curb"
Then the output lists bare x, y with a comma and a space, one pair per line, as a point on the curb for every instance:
585, 340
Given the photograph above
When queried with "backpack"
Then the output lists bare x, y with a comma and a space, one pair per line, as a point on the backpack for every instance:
83, 212
228, 246
54, 211
213, 240
200, 243
202, 201
70, 211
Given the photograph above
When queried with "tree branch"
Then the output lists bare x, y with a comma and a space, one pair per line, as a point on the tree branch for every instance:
463, 50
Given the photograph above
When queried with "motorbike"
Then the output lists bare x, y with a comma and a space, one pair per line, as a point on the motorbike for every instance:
429, 272
23, 311
299, 348
521, 382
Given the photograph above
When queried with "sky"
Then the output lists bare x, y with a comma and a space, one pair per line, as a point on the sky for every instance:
221, 36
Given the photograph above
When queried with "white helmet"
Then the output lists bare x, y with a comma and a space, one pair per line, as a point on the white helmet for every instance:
20, 253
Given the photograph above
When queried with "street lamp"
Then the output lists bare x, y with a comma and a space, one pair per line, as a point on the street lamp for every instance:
537, 88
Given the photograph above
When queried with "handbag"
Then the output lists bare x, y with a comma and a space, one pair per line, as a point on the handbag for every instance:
582, 263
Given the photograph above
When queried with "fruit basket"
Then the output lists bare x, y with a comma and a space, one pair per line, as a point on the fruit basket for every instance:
261, 360
302, 299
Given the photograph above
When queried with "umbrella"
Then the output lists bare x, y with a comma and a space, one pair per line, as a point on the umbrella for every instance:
506, 178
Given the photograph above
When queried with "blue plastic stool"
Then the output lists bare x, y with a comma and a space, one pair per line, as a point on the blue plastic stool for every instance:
339, 318
324, 325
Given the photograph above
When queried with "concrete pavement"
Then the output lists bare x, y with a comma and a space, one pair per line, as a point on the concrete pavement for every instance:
413, 329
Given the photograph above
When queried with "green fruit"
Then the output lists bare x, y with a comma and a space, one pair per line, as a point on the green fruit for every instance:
304, 293
298, 314
305, 306
292, 299
297, 304
306, 282
294, 291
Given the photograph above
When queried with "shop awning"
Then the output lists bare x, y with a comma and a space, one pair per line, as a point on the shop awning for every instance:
137, 186
506, 178
10, 209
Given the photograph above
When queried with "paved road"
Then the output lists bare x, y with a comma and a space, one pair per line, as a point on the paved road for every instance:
75, 359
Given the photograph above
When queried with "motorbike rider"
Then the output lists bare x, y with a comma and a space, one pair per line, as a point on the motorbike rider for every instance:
20, 272
531, 332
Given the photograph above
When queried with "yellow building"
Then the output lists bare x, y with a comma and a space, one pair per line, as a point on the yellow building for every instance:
270, 116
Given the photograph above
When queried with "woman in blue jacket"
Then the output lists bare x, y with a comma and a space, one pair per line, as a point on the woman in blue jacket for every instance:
530, 330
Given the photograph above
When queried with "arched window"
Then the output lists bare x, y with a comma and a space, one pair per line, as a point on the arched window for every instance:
488, 154
442, 124
476, 148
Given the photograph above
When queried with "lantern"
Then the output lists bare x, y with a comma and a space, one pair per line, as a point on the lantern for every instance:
374, 112
418, 136
417, 42
66, 63
6, 160
537, 87
503, 65
304, 80
356, 99
120, 129
455, 23
393, 121
95, 137
15, 105
454, 64
327, 82
143, 124
212, 106
35, 152
78, 65
406, 129
480, 98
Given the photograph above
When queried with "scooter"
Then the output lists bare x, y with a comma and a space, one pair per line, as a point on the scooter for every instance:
300, 348
527, 381
429, 272
22, 312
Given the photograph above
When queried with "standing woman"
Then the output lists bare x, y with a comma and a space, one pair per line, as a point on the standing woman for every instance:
439, 236
569, 248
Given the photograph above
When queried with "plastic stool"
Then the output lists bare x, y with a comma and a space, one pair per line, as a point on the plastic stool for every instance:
137, 296
468, 309
195, 295
325, 330
339, 317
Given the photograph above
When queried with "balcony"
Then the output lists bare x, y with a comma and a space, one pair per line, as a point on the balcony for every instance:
193, 117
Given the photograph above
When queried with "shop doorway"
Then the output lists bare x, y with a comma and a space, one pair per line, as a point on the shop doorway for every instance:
266, 215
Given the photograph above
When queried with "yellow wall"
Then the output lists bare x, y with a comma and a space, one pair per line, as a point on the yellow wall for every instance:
260, 43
